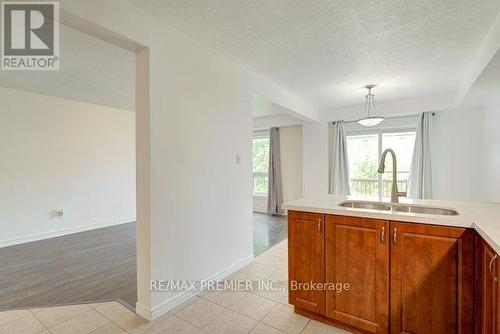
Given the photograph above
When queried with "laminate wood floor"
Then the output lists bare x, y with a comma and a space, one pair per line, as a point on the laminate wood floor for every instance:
268, 231
91, 266
76, 268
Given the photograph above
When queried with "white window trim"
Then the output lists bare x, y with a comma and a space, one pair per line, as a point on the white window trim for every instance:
261, 134
379, 133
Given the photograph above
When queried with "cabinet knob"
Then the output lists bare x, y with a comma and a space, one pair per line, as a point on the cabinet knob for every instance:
319, 225
382, 235
495, 278
395, 237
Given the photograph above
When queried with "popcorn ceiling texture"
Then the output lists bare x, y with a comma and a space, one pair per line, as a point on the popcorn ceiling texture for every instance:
325, 51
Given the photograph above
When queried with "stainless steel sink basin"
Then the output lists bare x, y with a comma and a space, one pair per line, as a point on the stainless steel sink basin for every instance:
426, 210
402, 208
366, 205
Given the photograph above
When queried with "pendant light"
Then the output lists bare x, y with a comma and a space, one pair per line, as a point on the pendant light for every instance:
369, 105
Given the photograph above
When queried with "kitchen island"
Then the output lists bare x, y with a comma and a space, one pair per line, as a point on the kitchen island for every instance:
409, 271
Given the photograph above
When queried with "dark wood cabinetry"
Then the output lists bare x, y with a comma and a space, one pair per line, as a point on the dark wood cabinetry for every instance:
357, 252
431, 279
306, 249
404, 277
487, 302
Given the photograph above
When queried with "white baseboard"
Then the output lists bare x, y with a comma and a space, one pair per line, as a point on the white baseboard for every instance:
177, 300
65, 231
284, 214
142, 311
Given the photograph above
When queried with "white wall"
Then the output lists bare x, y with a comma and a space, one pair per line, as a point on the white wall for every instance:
275, 121
63, 154
491, 160
291, 164
458, 160
200, 117
315, 158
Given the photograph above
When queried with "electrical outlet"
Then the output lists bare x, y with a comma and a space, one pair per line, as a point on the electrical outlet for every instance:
238, 159
58, 214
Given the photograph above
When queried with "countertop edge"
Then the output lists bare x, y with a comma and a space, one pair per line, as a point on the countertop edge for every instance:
460, 222
493, 244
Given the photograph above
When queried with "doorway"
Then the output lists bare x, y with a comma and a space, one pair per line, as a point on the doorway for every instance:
92, 247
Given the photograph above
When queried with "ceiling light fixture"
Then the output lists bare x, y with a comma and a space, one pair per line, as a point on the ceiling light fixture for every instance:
369, 105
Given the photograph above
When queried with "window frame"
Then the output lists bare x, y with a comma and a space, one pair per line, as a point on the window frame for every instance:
379, 132
259, 134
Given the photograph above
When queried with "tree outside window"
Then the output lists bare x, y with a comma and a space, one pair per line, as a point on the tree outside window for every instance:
260, 149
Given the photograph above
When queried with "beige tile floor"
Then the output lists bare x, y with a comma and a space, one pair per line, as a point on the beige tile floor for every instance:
254, 312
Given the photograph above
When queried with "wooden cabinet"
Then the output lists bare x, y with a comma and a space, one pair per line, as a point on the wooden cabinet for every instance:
487, 301
431, 279
357, 252
404, 277
306, 249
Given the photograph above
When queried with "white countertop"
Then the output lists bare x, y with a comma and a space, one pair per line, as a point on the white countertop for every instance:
483, 217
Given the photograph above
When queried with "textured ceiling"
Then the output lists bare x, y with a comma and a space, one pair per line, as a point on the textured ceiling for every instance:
91, 71
325, 51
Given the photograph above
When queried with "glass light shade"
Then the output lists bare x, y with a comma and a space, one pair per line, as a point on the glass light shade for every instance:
370, 121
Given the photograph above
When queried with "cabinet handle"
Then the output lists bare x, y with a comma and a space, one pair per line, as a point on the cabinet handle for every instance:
382, 235
491, 268
319, 225
395, 237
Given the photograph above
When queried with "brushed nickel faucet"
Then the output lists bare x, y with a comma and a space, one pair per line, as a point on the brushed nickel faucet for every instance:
381, 168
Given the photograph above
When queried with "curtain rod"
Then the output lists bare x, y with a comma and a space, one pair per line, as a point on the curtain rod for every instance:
395, 117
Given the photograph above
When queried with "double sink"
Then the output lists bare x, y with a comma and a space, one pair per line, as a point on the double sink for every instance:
403, 208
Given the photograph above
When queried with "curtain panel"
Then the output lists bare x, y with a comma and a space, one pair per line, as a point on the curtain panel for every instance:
420, 179
275, 189
338, 160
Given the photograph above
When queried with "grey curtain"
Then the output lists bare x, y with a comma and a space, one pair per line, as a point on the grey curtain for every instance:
339, 161
275, 190
420, 179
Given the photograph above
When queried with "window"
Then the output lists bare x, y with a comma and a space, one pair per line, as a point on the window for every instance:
365, 151
363, 159
260, 146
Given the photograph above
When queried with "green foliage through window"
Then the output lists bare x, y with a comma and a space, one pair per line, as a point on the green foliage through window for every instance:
260, 152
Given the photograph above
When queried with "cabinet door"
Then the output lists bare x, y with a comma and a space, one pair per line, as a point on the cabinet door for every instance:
496, 293
306, 251
431, 279
487, 292
357, 252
